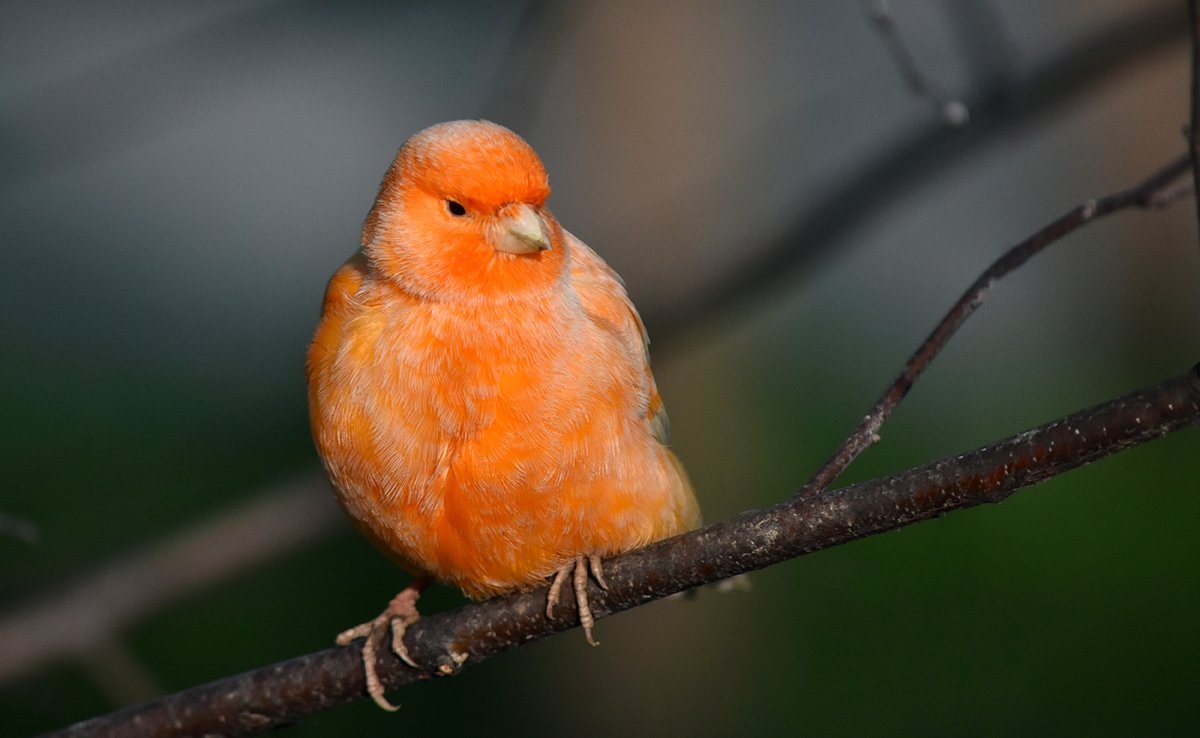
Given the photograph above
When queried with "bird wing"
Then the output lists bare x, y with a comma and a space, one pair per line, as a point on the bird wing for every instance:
603, 297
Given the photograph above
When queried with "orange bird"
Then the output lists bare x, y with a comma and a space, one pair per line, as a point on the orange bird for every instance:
479, 387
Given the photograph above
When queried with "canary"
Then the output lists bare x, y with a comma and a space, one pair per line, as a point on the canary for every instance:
479, 387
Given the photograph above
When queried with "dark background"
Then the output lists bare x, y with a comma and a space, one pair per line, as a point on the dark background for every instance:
178, 180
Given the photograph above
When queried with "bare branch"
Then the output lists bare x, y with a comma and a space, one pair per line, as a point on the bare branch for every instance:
953, 111
1154, 192
445, 643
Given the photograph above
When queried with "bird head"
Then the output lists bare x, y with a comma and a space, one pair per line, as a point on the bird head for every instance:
460, 217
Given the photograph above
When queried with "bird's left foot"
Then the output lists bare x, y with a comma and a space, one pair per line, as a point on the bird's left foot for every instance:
400, 613
579, 568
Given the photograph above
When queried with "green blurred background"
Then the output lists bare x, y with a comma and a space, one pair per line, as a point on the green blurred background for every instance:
178, 180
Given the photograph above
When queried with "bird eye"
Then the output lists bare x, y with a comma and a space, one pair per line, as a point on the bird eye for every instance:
456, 208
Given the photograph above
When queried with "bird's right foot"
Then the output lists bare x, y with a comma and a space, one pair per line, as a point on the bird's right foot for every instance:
400, 613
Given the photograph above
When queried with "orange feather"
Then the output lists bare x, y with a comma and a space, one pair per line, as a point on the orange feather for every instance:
479, 386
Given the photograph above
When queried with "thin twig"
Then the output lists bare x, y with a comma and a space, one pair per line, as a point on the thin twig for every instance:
953, 111
1146, 194
448, 642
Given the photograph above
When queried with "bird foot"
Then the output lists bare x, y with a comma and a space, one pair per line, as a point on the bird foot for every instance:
400, 613
579, 568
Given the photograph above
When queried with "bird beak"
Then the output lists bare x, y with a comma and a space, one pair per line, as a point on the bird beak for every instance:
523, 231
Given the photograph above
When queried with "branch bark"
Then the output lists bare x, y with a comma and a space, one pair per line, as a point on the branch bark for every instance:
445, 643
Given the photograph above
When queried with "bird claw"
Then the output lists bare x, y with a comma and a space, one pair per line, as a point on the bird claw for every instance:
580, 569
597, 571
400, 613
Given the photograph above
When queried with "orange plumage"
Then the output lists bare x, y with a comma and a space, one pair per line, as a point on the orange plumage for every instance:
478, 383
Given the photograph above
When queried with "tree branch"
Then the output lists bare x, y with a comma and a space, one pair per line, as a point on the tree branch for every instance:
445, 643
1157, 191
